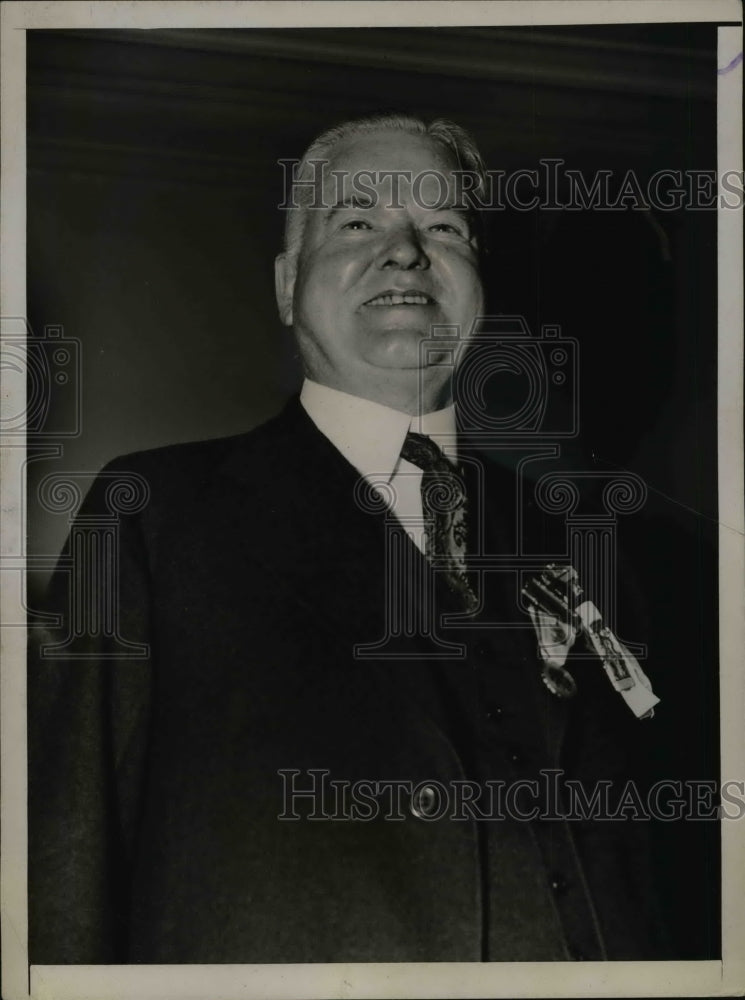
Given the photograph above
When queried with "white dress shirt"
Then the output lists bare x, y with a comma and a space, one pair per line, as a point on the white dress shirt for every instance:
370, 436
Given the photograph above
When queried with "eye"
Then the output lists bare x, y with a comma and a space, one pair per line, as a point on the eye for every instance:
356, 224
446, 227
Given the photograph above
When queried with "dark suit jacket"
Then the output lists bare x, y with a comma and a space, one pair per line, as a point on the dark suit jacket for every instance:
251, 574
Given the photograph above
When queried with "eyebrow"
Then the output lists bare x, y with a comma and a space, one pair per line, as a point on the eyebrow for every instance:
367, 203
460, 209
353, 202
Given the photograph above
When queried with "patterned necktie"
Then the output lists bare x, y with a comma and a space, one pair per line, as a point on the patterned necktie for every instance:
445, 509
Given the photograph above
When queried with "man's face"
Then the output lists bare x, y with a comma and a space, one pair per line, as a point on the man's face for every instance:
371, 280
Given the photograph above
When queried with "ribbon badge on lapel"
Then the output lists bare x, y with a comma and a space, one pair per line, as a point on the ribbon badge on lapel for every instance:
559, 617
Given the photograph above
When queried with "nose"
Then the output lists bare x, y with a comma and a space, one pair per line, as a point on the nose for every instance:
403, 249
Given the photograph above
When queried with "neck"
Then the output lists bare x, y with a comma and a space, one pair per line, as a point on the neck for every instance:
413, 396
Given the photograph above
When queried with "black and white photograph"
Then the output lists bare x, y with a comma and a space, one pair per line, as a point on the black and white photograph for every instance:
372, 507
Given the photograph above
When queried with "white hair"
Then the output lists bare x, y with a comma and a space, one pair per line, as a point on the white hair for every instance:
456, 139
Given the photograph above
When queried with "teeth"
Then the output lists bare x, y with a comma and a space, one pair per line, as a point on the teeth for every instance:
400, 299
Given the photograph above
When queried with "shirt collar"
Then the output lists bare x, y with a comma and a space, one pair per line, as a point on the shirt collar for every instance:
370, 435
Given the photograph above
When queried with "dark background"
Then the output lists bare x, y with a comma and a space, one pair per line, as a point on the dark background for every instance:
152, 227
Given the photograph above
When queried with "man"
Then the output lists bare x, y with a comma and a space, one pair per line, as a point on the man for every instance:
293, 610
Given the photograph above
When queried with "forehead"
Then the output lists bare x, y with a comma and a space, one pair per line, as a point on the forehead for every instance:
384, 151
391, 150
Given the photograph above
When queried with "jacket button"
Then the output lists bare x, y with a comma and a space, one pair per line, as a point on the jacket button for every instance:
424, 802
558, 884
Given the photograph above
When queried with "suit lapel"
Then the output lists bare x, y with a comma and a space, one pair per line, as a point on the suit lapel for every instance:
308, 532
323, 544
303, 519
493, 525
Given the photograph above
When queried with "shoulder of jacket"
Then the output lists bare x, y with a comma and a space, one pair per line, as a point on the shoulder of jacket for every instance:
166, 477
191, 457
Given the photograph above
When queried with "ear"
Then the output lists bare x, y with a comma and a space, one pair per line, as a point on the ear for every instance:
285, 271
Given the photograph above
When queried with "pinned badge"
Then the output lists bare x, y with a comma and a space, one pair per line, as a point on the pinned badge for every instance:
553, 600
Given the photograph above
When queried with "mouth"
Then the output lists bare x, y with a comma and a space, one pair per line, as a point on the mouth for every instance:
413, 297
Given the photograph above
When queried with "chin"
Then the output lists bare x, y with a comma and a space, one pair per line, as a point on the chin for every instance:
397, 349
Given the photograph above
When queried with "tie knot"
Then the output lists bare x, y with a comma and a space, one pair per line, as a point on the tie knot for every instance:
424, 453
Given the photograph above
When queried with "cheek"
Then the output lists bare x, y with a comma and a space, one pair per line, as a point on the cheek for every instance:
464, 279
341, 270
311, 291
325, 281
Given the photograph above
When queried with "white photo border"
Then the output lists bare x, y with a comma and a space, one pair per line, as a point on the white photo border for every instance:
365, 980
